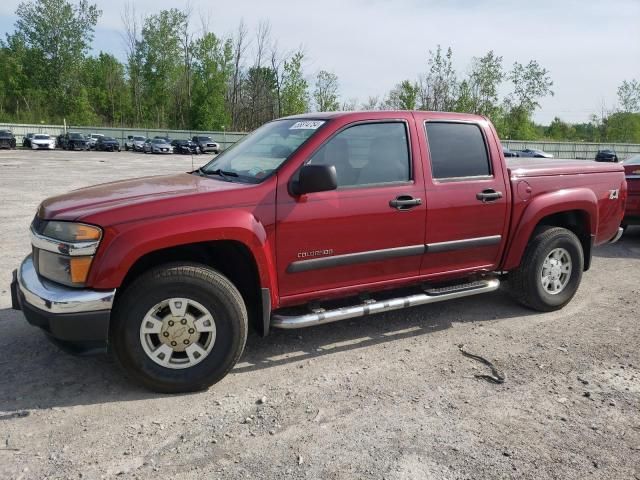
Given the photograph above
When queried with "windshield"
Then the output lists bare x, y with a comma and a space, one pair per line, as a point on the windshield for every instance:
76, 136
159, 140
261, 152
41, 137
633, 160
108, 139
139, 139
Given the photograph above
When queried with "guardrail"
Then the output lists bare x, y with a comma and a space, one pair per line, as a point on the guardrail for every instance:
575, 150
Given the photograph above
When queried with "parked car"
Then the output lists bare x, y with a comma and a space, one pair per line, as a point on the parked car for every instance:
632, 208
60, 140
509, 153
107, 144
41, 141
7, 140
92, 139
26, 140
206, 144
606, 156
197, 258
157, 145
136, 143
529, 152
185, 146
74, 141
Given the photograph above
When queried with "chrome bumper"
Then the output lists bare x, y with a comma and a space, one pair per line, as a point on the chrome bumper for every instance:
617, 235
55, 298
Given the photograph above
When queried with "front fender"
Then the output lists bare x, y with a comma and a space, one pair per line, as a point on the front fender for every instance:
573, 199
124, 244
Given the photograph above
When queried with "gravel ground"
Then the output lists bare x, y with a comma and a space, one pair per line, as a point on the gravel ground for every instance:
384, 397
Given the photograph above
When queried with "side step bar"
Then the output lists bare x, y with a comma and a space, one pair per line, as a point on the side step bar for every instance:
321, 317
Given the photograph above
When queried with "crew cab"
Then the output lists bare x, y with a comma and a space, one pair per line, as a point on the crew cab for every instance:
310, 219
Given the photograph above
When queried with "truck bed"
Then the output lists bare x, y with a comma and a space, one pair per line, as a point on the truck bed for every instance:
536, 167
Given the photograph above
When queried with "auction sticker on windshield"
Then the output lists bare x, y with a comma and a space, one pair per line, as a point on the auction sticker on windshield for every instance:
307, 125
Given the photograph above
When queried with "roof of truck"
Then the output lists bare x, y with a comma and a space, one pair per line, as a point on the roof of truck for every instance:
385, 114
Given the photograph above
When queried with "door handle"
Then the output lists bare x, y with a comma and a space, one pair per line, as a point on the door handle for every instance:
405, 202
488, 195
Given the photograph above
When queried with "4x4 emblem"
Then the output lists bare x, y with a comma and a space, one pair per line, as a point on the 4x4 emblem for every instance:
614, 194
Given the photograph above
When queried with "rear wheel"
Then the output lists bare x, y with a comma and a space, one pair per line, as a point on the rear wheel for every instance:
179, 328
550, 271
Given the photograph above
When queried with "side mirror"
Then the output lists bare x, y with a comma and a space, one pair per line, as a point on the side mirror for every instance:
315, 178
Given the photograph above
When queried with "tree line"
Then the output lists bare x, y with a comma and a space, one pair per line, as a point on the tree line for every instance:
178, 74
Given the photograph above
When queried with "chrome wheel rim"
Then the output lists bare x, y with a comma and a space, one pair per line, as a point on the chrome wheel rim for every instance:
178, 333
556, 271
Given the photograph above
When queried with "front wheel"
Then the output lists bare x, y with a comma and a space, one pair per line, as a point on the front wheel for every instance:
550, 271
179, 328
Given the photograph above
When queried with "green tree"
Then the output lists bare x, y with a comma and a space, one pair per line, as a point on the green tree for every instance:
295, 88
161, 52
106, 86
629, 96
559, 130
326, 92
438, 87
212, 65
483, 83
404, 96
531, 82
57, 35
623, 127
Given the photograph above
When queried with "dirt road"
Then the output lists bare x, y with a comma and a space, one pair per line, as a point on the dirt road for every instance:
383, 397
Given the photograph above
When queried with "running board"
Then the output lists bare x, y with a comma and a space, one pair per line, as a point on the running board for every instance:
320, 317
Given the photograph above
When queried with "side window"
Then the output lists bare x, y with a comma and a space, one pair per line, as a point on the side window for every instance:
366, 154
457, 150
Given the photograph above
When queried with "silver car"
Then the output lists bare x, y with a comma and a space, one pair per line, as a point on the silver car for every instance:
206, 144
92, 139
157, 145
42, 141
135, 143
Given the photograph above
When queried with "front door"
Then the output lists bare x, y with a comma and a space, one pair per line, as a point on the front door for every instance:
370, 230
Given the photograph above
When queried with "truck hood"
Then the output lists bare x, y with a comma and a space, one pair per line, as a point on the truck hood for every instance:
536, 167
135, 199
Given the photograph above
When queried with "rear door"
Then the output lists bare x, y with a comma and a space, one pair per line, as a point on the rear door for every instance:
371, 229
468, 196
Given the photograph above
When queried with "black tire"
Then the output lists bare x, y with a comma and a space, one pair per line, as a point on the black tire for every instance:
525, 285
195, 282
126, 148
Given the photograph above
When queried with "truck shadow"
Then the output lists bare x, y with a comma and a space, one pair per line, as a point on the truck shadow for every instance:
38, 375
627, 247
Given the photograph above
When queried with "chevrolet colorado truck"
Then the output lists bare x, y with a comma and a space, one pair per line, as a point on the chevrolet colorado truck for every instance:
308, 220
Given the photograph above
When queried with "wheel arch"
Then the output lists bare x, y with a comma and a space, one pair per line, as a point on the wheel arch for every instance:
575, 209
231, 258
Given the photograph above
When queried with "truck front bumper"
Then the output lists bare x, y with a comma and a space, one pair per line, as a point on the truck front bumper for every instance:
78, 317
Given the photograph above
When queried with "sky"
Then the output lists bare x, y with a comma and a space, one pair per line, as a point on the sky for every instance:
588, 46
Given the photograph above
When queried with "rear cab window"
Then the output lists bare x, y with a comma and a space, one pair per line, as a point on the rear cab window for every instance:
458, 151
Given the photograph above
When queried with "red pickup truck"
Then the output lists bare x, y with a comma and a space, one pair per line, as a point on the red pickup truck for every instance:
308, 220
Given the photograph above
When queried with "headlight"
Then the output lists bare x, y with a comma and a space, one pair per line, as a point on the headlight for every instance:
63, 251
71, 232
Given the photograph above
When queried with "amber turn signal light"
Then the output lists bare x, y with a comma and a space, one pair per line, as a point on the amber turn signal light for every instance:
79, 268
87, 232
